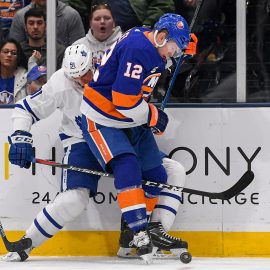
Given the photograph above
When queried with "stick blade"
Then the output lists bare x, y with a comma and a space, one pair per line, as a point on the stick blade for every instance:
239, 186
20, 245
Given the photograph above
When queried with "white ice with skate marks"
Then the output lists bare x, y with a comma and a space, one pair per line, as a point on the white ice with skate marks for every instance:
114, 263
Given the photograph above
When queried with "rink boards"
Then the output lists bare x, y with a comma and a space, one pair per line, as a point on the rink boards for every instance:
215, 145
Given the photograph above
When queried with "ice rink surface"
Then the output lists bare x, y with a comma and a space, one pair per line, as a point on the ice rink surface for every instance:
114, 263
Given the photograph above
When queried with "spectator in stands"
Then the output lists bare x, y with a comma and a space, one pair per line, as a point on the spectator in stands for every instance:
102, 32
130, 13
7, 11
36, 77
35, 27
13, 71
69, 25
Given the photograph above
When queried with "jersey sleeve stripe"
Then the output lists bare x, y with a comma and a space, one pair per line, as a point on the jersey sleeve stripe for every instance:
28, 108
147, 89
105, 115
20, 106
129, 108
36, 94
123, 100
103, 105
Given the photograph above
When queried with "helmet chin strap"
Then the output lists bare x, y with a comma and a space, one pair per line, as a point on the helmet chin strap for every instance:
156, 44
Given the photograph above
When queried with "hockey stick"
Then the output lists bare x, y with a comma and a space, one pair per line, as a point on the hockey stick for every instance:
196, 12
181, 60
172, 80
240, 185
15, 246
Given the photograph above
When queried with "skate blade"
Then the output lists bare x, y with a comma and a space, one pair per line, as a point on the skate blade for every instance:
11, 257
159, 255
154, 251
148, 258
178, 251
127, 253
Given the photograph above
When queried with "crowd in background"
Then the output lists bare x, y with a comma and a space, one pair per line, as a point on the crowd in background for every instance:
210, 76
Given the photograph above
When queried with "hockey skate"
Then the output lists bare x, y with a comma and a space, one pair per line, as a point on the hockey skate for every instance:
134, 245
127, 247
165, 242
160, 240
19, 256
143, 245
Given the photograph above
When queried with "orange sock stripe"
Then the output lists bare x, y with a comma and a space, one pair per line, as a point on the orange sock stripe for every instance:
131, 198
150, 204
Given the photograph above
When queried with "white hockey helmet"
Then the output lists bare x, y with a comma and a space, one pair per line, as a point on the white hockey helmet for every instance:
77, 61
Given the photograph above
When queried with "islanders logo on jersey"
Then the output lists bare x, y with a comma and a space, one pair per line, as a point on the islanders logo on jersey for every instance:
149, 84
180, 25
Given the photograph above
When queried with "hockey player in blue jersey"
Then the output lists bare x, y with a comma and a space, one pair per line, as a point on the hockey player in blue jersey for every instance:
64, 91
117, 120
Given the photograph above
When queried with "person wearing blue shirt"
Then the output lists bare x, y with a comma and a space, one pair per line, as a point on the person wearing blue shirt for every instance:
117, 120
12, 72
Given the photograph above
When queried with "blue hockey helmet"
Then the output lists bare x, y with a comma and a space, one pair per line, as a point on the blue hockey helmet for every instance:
177, 27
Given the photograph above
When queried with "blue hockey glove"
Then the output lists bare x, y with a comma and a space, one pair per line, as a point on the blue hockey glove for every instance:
157, 120
21, 151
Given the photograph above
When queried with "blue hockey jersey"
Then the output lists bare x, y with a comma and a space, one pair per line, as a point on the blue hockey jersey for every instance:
127, 75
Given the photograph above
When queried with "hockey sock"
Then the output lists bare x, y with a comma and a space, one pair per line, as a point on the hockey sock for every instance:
130, 195
157, 174
132, 204
150, 205
66, 206
169, 201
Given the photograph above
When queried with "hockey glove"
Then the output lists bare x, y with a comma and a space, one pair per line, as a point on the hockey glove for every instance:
191, 48
21, 151
157, 120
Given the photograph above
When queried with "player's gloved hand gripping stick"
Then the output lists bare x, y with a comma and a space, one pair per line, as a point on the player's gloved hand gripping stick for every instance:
157, 119
21, 151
